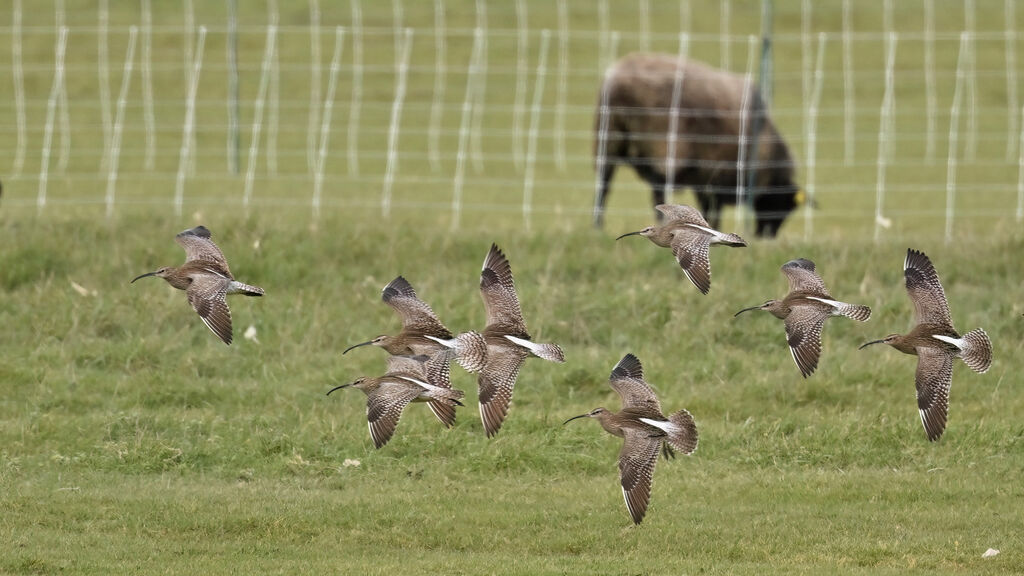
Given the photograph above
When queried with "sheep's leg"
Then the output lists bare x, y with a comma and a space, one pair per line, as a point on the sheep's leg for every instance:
605, 173
658, 197
709, 206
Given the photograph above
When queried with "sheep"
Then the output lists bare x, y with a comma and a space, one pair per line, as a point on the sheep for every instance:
637, 92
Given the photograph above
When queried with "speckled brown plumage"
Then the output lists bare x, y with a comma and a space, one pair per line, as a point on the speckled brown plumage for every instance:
408, 379
804, 311
935, 343
689, 235
508, 341
206, 280
645, 431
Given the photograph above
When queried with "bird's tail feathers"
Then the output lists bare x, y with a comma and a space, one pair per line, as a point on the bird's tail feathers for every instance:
552, 352
977, 350
854, 311
246, 289
684, 435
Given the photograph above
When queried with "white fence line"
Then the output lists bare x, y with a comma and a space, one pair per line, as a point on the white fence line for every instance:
356, 100
188, 137
530, 132
954, 127
745, 138
63, 107
325, 122
672, 136
929, 78
1009, 15
811, 140
58, 81
479, 90
147, 83
884, 130
848, 98
464, 129
401, 74
563, 68
313, 120
269, 49
1020, 173
273, 18
440, 72
103, 73
19, 87
519, 102
535, 112
115, 138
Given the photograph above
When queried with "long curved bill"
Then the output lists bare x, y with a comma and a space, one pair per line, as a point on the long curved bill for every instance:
637, 233
746, 310
866, 344
367, 343
575, 417
143, 276
337, 388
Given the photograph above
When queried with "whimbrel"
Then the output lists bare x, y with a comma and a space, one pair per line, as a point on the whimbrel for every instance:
645, 431
423, 333
408, 379
935, 343
508, 341
690, 236
804, 311
206, 280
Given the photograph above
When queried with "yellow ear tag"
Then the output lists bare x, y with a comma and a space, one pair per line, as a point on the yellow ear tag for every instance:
800, 197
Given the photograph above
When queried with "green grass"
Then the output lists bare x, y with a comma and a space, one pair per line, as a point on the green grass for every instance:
132, 440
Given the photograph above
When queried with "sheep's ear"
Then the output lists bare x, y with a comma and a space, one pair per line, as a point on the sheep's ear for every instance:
801, 198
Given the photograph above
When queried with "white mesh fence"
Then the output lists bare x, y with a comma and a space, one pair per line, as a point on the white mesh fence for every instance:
497, 109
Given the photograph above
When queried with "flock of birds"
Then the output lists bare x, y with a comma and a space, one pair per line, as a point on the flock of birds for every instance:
420, 355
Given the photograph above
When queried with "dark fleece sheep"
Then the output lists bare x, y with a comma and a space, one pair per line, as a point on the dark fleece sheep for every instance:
639, 90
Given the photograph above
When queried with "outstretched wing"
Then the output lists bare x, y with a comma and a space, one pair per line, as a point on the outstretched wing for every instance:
496, 382
690, 246
415, 313
627, 379
687, 214
411, 365
933, 380
803, 278
208, 296
384, 407
198, 246
499, 294
925, 290
637, 459
803, 334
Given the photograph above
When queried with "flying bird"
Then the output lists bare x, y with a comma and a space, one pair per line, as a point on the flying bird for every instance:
645, 431
422, 332
690, 236
508, 341
805, 310
935, 343
206, 280
408, 379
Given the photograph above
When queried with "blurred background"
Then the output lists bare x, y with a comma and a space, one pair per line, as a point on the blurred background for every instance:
904, 117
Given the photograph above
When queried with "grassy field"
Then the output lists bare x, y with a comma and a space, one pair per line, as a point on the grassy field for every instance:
132, 440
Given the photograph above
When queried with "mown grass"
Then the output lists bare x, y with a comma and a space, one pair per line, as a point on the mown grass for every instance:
132, 440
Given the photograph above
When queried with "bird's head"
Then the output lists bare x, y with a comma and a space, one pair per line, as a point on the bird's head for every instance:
769, 305
381, 340
161, 273
595, 413
364, 384
645, 232
891, 340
